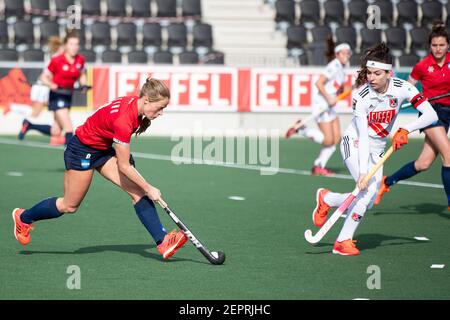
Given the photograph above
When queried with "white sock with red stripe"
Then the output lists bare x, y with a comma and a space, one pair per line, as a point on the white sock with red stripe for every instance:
314, 134
334, 199
354, 216
324, 155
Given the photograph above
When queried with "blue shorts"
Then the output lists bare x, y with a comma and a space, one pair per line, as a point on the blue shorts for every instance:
443, 113
57, 101
80, 157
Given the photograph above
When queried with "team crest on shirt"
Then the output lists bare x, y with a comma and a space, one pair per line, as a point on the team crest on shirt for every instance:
78, 66
65, 67
393, 103
430, 69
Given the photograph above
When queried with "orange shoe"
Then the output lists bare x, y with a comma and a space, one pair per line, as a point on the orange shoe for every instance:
57, 140
319, 171
171, 243
21, 229
319, 215
383, 189
292, 130
346, 248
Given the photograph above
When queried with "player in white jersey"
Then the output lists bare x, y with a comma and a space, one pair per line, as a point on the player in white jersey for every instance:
376, 104
329, 85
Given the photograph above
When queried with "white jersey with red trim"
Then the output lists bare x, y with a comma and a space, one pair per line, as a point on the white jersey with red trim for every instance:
335, 74
381, 110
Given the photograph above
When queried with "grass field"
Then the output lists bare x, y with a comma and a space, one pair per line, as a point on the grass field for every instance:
262, 236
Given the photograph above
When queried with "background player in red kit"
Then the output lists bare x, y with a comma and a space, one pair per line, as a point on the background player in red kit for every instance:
102, 144
60, 76
434, 74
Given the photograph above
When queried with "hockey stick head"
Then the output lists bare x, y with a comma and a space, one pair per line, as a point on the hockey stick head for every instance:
218, 257
309, 236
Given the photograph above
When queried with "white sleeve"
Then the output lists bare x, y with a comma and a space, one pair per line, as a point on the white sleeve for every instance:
362, 126
427, 117
422, 105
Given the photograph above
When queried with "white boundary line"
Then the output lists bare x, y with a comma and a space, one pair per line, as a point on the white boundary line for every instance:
153, 156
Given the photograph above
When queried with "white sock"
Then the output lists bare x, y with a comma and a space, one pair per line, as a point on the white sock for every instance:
352, 222
313, 134
334, 199
324, 155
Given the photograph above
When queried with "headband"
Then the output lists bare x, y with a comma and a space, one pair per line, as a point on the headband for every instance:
379, 65
342, 46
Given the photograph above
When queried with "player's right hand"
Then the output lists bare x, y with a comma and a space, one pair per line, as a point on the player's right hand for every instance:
153, 193
332, 101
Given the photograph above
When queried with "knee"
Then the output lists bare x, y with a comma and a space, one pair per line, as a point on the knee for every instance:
328, 142
422, 165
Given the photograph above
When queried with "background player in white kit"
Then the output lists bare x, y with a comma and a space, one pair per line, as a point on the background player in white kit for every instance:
329, 85
376, 104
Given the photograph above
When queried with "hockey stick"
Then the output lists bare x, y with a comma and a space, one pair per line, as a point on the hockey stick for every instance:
409, 105
300, 123
344, 206
214, 257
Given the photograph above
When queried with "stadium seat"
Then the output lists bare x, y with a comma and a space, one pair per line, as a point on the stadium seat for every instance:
213, 57
191, 8
316, 54
296, 37
419, 38
309, 11
8, 55
111, 56
90, 7
140, 8
386, 10
89, 55
33, 55
303, 59
407, 12
14, 8
396, 38
151, 33
177, 35
355, 60
126, 34
202, 35
137, 57
101, 34
369, 37
166, 8
163, 57
334, 11
48, 29
188, 57
285, 11
4, 39
40, 8
62, 5
320, 34
347, 35
23, 33
357, 11
116, 8
431, 10
408, 60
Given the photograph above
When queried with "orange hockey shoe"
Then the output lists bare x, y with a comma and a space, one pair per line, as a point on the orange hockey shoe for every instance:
21, 229
171, 243
346, 248
319, 215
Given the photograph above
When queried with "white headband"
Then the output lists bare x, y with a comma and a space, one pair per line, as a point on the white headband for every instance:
379, 65
342, 46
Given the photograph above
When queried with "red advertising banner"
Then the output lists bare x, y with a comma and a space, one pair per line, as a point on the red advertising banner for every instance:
218, 89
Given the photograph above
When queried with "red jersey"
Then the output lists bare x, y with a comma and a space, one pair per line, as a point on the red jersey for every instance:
114, 122
435, 80
65, 74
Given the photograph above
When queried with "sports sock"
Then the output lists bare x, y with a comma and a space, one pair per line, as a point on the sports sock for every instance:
406, 172
445, 174
46, 209
334, 199
42, 128
325, 154
313, 134
354, 217
146, 211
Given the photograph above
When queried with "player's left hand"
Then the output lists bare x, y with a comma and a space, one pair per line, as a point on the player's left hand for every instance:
362, 184
400, 138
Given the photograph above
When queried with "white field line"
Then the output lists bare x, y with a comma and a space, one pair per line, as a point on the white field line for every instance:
152, 156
